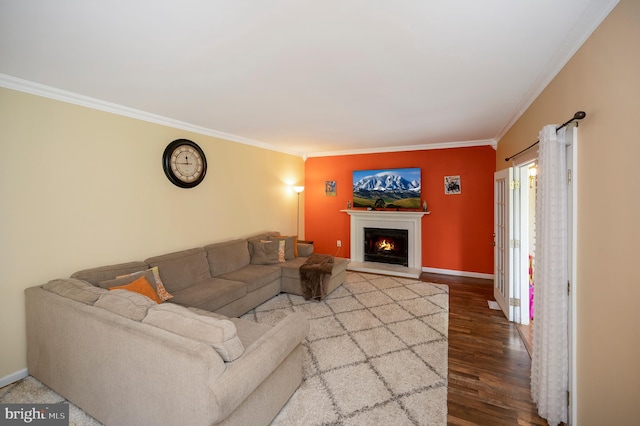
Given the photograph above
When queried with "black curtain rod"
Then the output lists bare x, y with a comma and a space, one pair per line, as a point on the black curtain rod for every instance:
577, 116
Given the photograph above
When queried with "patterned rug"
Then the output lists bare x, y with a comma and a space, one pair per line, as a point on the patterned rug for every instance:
376, 354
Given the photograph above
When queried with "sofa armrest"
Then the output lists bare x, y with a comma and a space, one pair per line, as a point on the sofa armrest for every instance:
260, 359
305, 249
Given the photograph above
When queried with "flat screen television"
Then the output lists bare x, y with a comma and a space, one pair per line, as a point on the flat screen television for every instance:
387, 188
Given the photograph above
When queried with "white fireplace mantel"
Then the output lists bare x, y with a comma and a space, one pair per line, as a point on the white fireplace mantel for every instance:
406, 220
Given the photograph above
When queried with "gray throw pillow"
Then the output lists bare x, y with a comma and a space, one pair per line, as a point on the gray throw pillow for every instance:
128, 279
264, 252
289, 246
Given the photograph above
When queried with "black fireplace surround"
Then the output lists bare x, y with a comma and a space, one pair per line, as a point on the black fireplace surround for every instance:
386, 246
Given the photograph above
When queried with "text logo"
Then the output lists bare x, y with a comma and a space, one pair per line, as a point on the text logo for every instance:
34, 414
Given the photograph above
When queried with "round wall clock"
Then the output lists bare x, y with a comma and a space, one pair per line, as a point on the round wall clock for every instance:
184, 163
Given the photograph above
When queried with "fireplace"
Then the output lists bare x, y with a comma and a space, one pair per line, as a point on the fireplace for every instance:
386, 246
407, 222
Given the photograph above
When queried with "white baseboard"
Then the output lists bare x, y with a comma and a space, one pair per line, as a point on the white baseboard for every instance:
14, 377
458, 273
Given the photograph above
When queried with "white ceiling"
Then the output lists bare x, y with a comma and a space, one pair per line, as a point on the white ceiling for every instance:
301, 76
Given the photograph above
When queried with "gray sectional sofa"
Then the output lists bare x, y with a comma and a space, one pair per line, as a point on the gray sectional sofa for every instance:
127, 360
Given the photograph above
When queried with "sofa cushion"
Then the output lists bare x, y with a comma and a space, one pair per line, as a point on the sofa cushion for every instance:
254, 276
227, 256
126, 303
304, 249
109, 272
219, 333
142, 286
211, 294
290, 244
182, 269
265, 252
248, 331
75, 289
291, 268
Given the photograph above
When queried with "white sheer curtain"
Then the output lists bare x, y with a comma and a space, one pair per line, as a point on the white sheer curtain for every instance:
550, 363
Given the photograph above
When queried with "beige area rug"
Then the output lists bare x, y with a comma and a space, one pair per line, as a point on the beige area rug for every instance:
376, 354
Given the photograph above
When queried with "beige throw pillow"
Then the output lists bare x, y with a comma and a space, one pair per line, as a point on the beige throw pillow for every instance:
264, 252
281, 256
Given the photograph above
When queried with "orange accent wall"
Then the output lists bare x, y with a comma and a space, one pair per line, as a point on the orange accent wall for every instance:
457, 235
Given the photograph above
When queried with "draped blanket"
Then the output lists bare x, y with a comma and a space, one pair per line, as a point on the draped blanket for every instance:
315, 274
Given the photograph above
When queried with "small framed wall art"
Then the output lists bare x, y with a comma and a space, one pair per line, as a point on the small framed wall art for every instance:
452, 185
330, 188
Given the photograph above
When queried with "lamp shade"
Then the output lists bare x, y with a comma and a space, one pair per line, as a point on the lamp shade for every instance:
298, 189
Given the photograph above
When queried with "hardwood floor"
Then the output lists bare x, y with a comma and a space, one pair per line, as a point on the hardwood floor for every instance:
526, 334
489, 366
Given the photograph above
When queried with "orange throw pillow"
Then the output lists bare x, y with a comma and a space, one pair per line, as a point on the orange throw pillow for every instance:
142, 286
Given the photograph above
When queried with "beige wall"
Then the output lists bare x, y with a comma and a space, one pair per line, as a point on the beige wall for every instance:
603, 79
82, 188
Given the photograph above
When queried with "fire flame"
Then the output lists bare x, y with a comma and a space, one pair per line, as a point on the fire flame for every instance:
385, 245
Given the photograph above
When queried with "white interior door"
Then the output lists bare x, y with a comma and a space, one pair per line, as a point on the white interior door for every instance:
503, 225
524, 216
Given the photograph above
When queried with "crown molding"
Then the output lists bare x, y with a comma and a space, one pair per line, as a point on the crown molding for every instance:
423, 147
38, 89
590, 19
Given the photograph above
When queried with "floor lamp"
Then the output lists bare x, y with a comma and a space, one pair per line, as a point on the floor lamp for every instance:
298, 190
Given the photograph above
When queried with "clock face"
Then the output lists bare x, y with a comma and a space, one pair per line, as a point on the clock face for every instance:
184, 163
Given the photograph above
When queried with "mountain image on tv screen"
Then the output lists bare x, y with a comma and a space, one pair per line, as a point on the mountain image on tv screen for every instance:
387, 188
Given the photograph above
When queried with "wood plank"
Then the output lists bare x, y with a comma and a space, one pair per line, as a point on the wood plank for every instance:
489, 366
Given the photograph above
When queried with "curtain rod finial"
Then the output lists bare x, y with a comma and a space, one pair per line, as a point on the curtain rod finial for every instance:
579, 115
